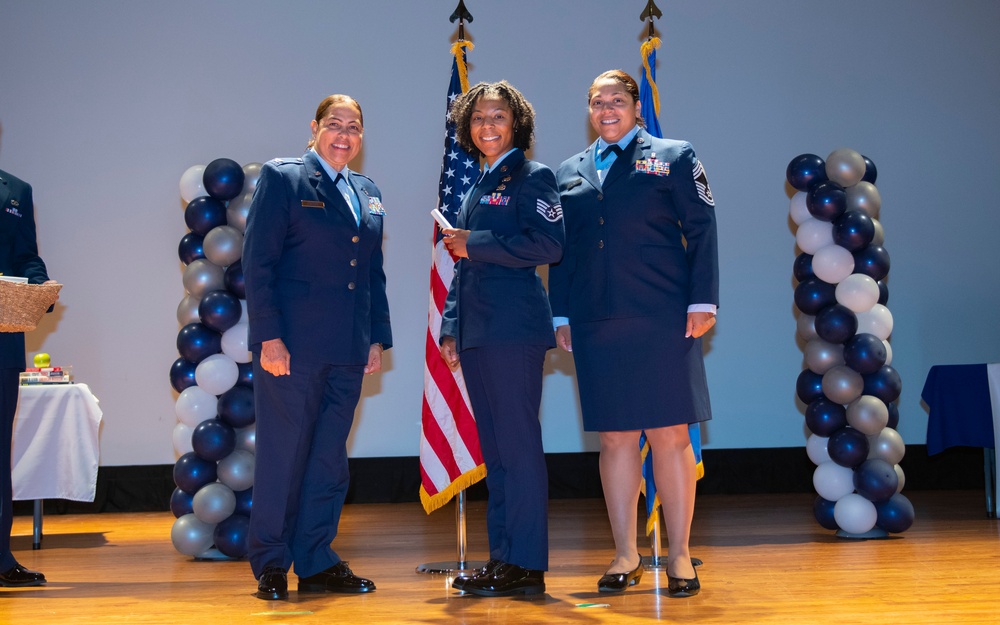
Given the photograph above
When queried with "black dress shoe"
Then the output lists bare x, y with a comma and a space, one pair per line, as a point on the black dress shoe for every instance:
17, 575
618, 582
337, 578
678, 587
505, 580
459, 582
273, 584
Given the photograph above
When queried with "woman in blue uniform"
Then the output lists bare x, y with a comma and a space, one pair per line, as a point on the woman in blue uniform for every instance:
638, 286
319, 320
497, 321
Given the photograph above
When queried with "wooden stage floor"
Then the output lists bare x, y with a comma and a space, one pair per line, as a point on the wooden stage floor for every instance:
766, 561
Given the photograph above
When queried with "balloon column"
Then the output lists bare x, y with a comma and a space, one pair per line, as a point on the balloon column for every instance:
848, 384
215, 433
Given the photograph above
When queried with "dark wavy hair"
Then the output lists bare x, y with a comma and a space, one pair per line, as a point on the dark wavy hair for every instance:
521, 111
626, 81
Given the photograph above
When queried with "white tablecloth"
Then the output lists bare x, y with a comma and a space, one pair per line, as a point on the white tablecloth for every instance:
56, 449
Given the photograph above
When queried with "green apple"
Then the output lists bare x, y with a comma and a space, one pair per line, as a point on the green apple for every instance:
42, 360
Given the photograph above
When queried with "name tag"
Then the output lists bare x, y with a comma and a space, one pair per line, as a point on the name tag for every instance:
495, 199
653, 166
312, 204
375, 206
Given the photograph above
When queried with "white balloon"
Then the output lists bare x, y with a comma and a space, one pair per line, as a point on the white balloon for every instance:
191, 183
195, 405
832, 264
182, 439
857, 292
816, 449
217, 374
236, 341
797, 208
888, 352
877, 321
813, 235
855, 514
832, 481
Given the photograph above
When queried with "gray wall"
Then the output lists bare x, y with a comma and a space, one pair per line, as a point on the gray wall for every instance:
105, 103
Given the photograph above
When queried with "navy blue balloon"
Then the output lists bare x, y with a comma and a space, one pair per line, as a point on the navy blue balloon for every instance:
236, 406
853, 230
223, 178
213, 439
246, 373
893, 415
824, 417
181, 503
848, 447
873, 261
813, 295
884, 384
191, 248
809, 386
182, 374
871, 172
192, 472
219, 310
883, 292
827, 201
244, 501
865, 353
823, 510
234, 280
803, 267
231, 536
894, 514
805, 170
204, 213
836, 324
875, 480
196, 342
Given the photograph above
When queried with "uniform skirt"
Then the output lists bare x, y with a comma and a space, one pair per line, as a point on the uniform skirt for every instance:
638, 373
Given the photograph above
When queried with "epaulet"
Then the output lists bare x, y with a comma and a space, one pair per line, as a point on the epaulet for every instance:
277, 162
360, 175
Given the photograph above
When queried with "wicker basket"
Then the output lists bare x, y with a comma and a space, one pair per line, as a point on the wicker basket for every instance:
22, 305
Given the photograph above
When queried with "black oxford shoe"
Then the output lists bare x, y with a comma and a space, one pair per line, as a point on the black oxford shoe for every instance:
618, 582
17, 575
459, 582
506, 580
273, 584
678, 587
337, 578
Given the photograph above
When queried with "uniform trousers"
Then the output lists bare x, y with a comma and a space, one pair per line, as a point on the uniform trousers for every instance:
8, 406
505, 387
301, 473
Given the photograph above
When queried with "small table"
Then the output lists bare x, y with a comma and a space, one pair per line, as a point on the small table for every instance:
964, 403
56, 449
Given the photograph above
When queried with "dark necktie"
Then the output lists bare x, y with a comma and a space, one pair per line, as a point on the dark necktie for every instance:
608, 151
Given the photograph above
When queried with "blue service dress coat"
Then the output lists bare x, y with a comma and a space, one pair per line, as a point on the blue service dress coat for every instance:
498, 312
640, 248
314, 279
18, 257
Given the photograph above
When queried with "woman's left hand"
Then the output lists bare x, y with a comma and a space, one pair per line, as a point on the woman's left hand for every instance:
374, 359
455, 240
699, 323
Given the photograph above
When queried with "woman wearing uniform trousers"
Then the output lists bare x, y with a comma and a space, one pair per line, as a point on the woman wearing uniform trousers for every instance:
498, 322
319, 320
638, 286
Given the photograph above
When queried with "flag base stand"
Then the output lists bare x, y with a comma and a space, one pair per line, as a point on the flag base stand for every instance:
460, 565
656, 562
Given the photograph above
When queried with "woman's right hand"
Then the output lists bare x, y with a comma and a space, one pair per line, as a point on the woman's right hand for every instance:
563, 338
274, 357
449, 353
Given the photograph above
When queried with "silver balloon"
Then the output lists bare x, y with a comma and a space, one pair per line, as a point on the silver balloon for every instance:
251, 176
237, 211
845, 167
865, 197
203, 276
246, 438
806, 326
867, 414
821, 356
842, 385
236, 470
888, 352
900, 476
887, 445
213, 503
879, 237
187, 310
190, 535
223, 245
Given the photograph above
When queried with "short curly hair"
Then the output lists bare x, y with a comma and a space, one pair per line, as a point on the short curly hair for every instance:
521, 110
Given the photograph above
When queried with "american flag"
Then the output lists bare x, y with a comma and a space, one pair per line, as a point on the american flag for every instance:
450, 458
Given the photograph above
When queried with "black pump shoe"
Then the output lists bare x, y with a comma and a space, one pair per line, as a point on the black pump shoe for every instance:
678, 587
618, 582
